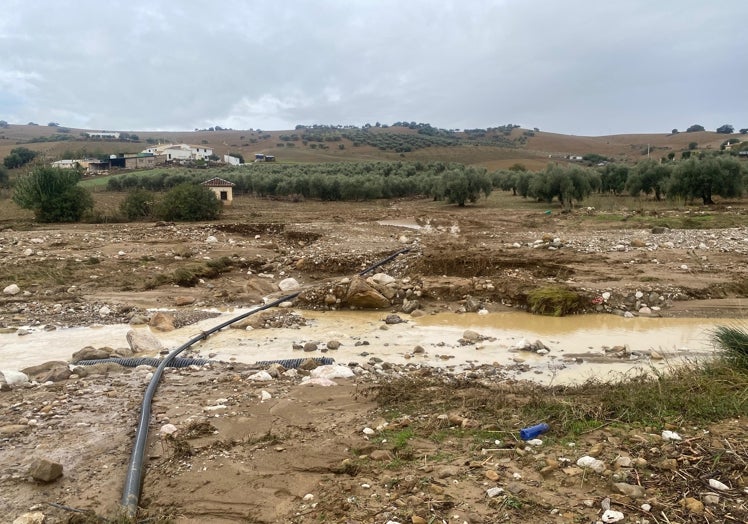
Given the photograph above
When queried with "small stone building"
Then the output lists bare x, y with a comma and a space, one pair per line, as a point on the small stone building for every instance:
222, 188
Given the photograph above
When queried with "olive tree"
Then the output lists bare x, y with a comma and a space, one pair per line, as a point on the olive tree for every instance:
189, 202
53, 195
704, 178
648, 177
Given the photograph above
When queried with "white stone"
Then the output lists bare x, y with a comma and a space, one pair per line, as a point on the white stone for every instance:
670, 435
12, 289
28, 252
260, 376
168, 429
611, 516
104, 311
684, 267
308, 497
368, 431
646, 507
331, 372
34, 517
14, 378
716, 484
288, 284
534, 442
494, 492
638, 294
264, 395
211, 240
121, 253
606, 296
318, 381
592, 463
382, 279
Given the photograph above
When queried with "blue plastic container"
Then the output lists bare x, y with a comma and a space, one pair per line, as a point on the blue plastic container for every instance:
533, 431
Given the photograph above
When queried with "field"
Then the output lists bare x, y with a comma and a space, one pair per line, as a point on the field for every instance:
439, 440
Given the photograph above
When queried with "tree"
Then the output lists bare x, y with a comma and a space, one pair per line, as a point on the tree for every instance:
648, 177
18, 157
460, 185
705, 178
674, 131
613, 178
744, 131
566, 184
726, 129
138, 204
53, 195
4, 124
189, 202
692, 145
695, 128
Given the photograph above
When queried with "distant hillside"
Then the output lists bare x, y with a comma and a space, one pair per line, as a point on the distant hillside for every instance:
493, 148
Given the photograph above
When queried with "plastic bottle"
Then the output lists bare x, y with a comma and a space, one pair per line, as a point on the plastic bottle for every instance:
533, 431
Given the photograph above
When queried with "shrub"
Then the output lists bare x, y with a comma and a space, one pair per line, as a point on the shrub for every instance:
53, 195
137, 205
188, 202
553, 301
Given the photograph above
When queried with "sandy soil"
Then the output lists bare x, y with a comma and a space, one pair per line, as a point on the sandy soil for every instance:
299, 453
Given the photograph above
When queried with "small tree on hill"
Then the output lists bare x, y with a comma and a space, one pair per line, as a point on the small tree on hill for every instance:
695, 128
53, 195
18, 157
726, 129
189, 202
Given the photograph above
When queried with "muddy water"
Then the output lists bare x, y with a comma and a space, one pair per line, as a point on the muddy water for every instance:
576, 343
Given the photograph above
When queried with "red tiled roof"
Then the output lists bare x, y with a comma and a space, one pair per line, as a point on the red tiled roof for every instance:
218, 182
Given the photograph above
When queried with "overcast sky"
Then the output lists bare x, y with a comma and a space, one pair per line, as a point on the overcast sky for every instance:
585, 67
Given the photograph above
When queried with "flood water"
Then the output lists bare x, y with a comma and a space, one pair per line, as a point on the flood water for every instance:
576, 343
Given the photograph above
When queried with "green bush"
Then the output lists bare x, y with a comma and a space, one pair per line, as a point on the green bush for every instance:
553, 301
138, 204
188, 202
53, 195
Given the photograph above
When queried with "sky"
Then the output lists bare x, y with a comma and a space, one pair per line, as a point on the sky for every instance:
581, 67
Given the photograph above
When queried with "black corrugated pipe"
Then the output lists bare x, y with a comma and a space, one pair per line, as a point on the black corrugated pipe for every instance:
131, 493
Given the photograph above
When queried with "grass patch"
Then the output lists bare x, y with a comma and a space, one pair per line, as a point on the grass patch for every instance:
553, 301
733, 341
690, 394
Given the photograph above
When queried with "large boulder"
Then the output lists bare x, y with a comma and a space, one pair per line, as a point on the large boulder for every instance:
362, 295
90, 353
162, 321
54, 370
45, 470
141, 340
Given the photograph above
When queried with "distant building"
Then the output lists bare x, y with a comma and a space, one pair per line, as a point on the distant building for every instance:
65, 164
180, 152
104, 134
232, 160
222, 188
261, 157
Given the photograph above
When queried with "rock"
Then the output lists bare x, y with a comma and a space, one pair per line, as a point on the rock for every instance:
630, 490
659, 230
12, 429
53, 371
670, 435
592, 463
472, 336
409, 306
141, 340
333, 344
45, 470
183, 300
492, 474
168, 430
90, 353
693, 505
710, 498
161, 321
260, 376
668, 464
311, 346
380, 455
13, 378
332, 371
211, 240
104, 311
415, 519
611, 516
33, 517
418, 350
362, 295
494, 492
393, 319
4, 386
472, 304
12, 289
716, 484
382, 279
288, 284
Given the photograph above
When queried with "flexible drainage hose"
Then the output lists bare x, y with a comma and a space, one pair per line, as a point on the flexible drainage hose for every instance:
131, 493
289, 363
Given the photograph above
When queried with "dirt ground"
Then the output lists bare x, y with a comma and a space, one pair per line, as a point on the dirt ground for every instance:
280, 450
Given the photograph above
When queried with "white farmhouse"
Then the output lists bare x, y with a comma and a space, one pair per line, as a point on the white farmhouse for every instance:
180, 152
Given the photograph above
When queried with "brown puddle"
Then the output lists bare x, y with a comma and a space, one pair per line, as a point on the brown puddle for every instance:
576, 343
